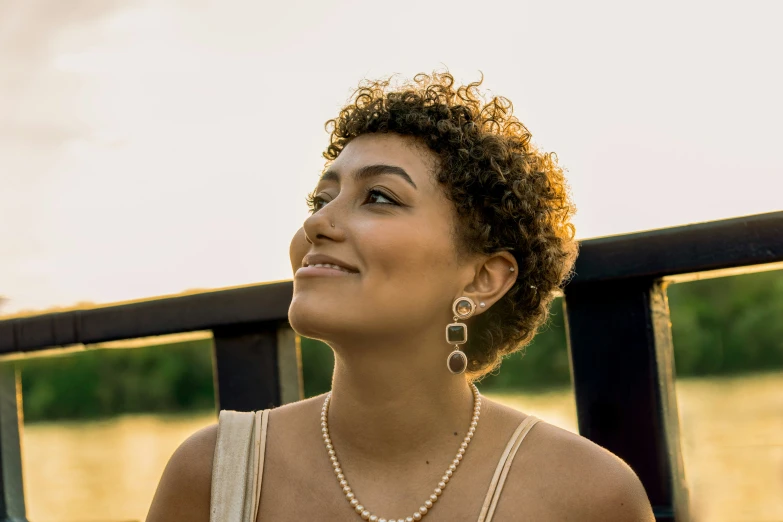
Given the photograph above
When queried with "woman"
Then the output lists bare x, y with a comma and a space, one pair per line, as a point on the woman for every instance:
437, 239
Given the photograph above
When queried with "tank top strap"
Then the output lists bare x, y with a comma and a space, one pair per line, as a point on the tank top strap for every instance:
504, 464
237, 466
262, 424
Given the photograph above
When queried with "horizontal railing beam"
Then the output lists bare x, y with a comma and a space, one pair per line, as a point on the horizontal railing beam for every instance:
186, 313
716, 245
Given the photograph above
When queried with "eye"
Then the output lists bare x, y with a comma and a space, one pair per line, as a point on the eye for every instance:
316, 202
375, 196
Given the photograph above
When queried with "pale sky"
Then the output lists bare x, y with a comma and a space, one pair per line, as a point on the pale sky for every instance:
151, 147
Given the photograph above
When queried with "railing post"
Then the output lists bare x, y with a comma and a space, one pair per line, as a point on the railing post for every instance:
257, 366
12, 506
289, 365
622, 366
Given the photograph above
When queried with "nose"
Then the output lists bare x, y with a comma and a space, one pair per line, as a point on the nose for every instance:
322, 226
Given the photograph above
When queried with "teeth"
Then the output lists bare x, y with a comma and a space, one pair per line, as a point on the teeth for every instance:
327, 265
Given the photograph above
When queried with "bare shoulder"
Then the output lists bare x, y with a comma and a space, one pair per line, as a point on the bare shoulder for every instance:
184, 489
296, 413
574, 479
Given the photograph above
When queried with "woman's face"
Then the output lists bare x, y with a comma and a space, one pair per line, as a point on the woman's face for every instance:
381, 216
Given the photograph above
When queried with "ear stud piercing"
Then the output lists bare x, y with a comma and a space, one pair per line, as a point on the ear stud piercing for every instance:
482, 304
457, 334
510, 269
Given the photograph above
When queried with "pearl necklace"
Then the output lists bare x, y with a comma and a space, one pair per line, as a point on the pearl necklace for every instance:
424, 509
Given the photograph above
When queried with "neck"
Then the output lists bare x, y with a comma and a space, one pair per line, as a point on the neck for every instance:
392, 404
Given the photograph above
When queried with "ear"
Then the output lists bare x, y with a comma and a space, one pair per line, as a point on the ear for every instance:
494, 276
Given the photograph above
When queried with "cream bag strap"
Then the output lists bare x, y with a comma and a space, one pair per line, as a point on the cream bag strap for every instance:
238, 466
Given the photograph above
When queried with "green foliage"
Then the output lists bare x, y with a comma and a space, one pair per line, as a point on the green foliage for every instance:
720, 326
99, 383
542, 364
317, 365
729, 325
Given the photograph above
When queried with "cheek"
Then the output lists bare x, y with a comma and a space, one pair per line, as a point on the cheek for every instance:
416, 260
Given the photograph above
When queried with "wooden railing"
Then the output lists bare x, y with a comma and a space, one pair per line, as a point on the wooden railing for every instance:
618, 333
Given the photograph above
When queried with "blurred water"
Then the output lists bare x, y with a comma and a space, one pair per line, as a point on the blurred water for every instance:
732, 442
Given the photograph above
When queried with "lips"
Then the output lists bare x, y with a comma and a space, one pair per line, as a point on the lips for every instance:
324, 261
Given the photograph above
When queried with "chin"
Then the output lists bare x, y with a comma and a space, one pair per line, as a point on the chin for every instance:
310, 319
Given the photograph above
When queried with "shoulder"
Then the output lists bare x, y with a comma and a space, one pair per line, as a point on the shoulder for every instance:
184, 489
578, 479
291, 432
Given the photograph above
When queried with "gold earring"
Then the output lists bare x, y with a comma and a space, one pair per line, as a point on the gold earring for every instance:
457, 334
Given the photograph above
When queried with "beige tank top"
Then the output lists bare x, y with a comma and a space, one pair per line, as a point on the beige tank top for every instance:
238, 466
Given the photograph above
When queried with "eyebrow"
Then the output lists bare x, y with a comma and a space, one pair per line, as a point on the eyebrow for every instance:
370, 171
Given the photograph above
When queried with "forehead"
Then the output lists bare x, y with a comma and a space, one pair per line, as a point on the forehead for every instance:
389, 149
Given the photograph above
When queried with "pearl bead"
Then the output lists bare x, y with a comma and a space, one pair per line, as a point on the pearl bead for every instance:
359, 508
428, 504
449, 473
340, 476
434, 498
354, 502
365, 515
408, 519
463, 445
452, 468
439, 489
338, 471
445, 478
423, 510
459, 457
373, 518
350, 495
417, 516
347, 489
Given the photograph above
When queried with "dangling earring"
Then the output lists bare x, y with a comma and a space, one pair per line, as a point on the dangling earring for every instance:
457, 333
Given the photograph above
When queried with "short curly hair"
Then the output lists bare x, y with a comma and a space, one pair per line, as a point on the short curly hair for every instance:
507, 194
